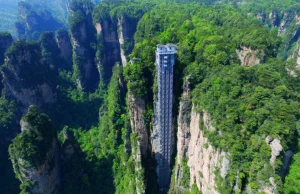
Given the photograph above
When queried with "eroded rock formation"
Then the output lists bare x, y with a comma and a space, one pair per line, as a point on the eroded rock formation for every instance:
35, 154
250, 57
24, 62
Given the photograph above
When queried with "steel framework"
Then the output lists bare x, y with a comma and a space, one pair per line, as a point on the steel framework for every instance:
165, 61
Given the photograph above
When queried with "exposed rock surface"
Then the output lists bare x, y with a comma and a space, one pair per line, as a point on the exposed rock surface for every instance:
26, 59
111, 54
117, 40
179, 184
5, 42
202, 158
276, 149
249, 57
84, 66
155, 136
64, 44
38, 168
136, 109
121, 41
126, 28
270, 187
273, 18
183, 135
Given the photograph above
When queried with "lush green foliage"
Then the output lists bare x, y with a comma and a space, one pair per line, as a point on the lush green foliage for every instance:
32, 145
30, 72
8, 126
292, 181
35, 141
108, 146
194, 190
247, 104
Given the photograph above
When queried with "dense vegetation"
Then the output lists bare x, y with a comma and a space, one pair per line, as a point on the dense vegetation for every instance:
244, 101
292, 181
32, 145
247, 104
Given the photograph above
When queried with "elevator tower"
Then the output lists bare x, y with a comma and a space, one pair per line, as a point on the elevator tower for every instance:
165, 61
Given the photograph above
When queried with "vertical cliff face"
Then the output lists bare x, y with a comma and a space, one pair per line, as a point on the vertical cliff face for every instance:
250, 57
200, 164
197, 160
115, 34
111, 46
203, 159
155, 137
83, 35
5, 42
136, 107
64, 45
126, 28
50, 51
35, 154
24, 61
180, 182
83, 60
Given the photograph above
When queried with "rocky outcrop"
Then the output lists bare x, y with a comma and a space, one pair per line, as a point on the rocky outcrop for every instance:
35, 154
296, 54
32, 22
276, 148
23, 62
83, 36
202, 159
5, 42
296, 57
117, 40
179, 183
270, 186
136, 107
261, 16
273, 18
250, 57
121, 41
126, 28
111, 53
64, 45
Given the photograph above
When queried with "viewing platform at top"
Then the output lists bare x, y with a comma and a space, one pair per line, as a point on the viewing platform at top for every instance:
166, 49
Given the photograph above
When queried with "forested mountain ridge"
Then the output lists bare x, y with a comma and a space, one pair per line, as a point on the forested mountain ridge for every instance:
236, 100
